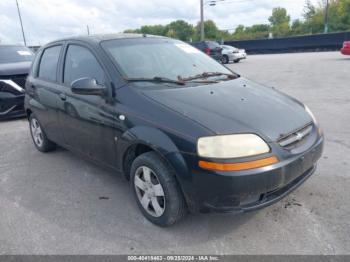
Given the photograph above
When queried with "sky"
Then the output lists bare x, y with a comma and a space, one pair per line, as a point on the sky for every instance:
47, 20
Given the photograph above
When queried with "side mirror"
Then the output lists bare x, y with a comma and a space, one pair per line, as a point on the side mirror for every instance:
87, 86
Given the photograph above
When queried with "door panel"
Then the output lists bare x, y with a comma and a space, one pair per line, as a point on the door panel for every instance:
46, 94
88, 119
45, 89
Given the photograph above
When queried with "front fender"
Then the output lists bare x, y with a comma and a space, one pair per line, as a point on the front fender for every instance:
162, 144
149, 136
153, 138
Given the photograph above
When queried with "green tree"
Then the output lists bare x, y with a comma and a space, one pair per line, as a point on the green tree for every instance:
297, 27
279, 21
148, 29
309, 10
239, 32
339, 15
211, 31
153, 29
180, 29
280, 24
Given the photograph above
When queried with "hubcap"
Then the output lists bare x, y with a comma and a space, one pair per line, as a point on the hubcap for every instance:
36, 132
149, 191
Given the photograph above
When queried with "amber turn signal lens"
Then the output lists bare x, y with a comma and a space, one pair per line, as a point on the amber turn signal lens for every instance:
238, 166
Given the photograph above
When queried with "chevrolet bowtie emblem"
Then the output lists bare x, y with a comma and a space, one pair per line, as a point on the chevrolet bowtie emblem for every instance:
299, 136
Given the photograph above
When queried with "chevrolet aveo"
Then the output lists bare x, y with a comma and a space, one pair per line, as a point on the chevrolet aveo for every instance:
188, 133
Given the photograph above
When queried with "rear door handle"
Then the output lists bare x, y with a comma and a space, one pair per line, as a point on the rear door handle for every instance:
63, 96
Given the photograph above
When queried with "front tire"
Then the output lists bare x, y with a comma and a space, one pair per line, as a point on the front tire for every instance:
156, 190
40, 140
225, 59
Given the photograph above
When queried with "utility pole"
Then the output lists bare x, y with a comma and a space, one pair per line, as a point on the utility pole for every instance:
20, 19
88, 29
326, 18
202, 20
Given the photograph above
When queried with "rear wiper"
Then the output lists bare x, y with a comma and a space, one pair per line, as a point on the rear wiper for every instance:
158, 79
206, 75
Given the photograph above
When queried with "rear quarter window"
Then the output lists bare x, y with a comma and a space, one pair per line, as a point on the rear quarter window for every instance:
49, 63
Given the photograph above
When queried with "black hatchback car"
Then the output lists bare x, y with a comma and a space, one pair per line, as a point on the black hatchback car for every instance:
187, 132
15, 63
211, 48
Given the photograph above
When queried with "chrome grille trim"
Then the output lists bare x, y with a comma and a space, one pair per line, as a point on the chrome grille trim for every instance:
296, 136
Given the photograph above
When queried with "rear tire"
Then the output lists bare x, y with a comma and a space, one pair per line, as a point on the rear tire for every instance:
156, 190
40, 140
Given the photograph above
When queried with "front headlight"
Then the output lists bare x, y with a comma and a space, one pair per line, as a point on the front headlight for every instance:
9, 82
310, 113
231, 146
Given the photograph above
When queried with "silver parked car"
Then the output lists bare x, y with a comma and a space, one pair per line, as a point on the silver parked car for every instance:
232, 54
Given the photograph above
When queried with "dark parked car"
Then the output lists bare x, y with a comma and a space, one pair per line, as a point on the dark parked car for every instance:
211, 48
187, 132
14, 67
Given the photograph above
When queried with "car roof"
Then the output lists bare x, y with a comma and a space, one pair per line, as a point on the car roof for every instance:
97, 38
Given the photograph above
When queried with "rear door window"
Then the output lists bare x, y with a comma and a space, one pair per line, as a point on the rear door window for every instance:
49, 63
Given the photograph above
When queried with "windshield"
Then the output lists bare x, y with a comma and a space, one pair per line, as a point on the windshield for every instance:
14, 54
160, 57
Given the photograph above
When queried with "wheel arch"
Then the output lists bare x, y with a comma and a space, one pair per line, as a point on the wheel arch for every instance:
28, 112
138, 140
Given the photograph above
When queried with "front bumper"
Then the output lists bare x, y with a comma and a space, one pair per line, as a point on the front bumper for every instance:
12, 107
251, 189
265, 199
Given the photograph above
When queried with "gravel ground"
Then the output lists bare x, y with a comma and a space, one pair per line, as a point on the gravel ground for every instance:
58, 203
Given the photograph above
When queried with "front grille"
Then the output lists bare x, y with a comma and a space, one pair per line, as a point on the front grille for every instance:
19, 80
295, 138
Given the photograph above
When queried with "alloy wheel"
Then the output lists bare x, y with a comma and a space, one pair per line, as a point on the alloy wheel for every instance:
149, 191
36, 132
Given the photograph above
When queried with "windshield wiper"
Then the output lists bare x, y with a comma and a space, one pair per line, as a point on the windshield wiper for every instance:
206, 75
157, 79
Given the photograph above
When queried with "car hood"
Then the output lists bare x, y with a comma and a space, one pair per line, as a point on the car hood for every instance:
236, 106
20, 68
